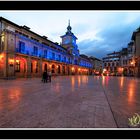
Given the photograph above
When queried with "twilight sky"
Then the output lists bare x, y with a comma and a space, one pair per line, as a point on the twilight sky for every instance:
98, 32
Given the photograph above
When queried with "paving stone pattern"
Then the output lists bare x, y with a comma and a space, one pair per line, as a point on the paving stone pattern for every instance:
69, 102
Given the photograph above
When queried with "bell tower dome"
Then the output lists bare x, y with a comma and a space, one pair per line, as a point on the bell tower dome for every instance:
69, 41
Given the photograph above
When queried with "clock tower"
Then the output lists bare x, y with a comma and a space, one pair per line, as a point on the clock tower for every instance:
69, 41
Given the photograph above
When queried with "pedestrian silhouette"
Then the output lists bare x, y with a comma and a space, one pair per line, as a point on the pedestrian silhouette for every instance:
44, 76
49, 76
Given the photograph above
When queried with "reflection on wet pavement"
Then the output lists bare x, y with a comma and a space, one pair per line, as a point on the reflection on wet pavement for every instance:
124, 97
69, 102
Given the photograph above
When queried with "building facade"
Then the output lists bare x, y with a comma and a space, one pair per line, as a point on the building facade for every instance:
23, 53
111, 63
128, 58
97, 65
136, 47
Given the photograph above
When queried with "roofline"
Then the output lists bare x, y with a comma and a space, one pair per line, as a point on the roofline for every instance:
10, 22
113, 53
95, 58
69, 35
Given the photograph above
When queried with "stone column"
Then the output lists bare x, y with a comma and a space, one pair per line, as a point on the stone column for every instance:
40, 67
9, 66
28, 67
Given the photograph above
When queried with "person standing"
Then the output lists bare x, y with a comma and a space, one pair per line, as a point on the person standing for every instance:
44, 76
49, 75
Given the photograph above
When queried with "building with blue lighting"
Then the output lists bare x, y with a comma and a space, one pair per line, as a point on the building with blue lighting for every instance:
24, 53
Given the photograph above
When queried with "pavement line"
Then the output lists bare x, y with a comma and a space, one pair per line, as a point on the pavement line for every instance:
109, 104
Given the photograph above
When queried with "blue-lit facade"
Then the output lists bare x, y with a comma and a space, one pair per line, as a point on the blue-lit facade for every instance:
24, 53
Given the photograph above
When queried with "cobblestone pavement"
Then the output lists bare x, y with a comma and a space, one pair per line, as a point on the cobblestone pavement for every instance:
69, 102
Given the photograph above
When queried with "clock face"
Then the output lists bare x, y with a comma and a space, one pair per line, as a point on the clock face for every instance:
66, 41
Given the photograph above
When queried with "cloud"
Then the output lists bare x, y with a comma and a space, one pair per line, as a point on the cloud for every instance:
111, 38
98, 32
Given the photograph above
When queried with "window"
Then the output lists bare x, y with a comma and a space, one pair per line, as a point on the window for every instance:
59, 57
21, 46
69, 60
35, 50
53, 55
64, 59
45, 53
17, 67
113, 64
108, 64
75, 62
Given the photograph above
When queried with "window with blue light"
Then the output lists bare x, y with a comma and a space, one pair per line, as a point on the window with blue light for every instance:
75, 62
64, 58
45, 53
35, 50
53, 55
69, 60
21, 46
59, 57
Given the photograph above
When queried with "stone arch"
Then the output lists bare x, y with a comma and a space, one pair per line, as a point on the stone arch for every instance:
68, 68
59, 69
20, 66
45, 66
63, 69
53, 68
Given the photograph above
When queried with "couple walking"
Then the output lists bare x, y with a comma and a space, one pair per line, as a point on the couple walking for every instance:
46, 76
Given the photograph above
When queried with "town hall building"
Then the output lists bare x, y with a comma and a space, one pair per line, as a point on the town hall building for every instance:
24, 53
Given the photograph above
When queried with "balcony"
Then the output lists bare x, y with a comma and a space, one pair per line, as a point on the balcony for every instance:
33, 54
22, 52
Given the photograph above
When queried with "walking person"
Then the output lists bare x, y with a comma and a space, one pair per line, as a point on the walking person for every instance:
44, 76
49, 76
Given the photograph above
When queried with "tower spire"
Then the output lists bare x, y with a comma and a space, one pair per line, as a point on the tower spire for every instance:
69, 27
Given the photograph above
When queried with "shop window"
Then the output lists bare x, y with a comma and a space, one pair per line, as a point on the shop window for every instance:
17, 67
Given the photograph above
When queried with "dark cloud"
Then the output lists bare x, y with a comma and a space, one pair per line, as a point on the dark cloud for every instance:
113, 38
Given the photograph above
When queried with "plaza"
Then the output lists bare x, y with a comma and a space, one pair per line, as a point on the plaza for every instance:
69, 102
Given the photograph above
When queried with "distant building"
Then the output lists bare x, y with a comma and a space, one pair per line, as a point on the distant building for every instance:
111, 63
136, 49
97, 65
24, 53
127, 60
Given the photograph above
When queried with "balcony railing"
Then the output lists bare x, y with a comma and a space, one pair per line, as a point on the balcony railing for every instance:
22, 52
